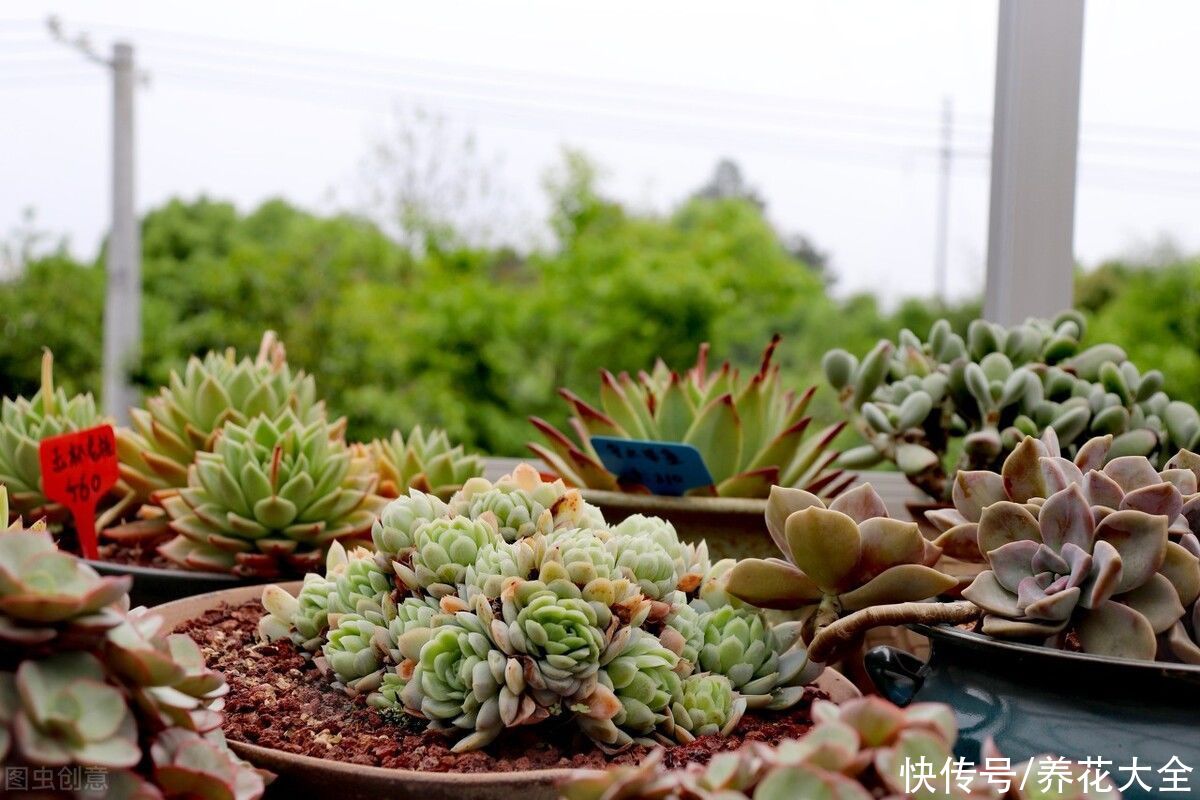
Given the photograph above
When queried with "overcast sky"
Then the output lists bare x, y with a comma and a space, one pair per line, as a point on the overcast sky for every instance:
832, 109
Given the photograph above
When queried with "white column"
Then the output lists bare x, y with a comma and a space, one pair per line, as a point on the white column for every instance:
1035, 133
123, 292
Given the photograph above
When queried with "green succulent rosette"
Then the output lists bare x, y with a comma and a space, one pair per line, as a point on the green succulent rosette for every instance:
393, 533
443, 551
422, 462
706, 705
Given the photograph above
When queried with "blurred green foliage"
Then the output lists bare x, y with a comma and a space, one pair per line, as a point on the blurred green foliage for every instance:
475, 340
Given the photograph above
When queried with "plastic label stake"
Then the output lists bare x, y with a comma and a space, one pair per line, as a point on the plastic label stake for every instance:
666, 468
77, 470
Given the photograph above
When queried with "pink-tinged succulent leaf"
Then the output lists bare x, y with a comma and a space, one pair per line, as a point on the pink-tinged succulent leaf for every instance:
1047, 560
987, 593
825, 545
1078, 562
935, 717
810, 783
943, 519
886, 543
1183, 479
597, 422
1159, 498
771, 584
1066, 518
893, 764
1157, 601
1006, 522
1093, 453
1022, 471
1186, 459
782, 503
1013, 563
1034, 588
1008, 628
1182, 569
716, 433
754, 483
1059, 473
782, 449
961, 542
1182, 645
1106, 573
974, 491
832, 745
900, 584
1132, 472
1116, 630
619, 407
1055, 607
1102, 490
876, 721
1142, 542
860, 504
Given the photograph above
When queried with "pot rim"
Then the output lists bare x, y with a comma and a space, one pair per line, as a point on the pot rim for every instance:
979, 641
138, 570
177, 612
748, 506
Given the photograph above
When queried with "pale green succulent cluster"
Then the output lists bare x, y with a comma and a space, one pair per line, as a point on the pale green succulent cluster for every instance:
751, 431
863, 749
24, 423
85, 682
913, 400
425, 462
270, 498
478, 622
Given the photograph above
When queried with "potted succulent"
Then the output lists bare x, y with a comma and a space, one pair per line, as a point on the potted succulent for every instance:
921, 404
97, 700
188, 514
863, 749
751, 431
1090, 580
510, 631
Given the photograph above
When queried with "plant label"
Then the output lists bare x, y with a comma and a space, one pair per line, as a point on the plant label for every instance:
668, 468
77, 470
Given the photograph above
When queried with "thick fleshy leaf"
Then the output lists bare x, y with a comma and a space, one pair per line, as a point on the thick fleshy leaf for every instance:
1157, 601
1132, 472
961, 542
825, 545
1093, 453
1078, 564
1184, 480
1102, 581
1013, 563
1006, 522
1102, 490
1142, 542
943, 519
782, 503
1022, 472
1159, 498
1055, 607
716, 433
1183, 646
974, 491
771, 584
1059, 473
1118, 631
860, 503
1182, 569
987, 593
900, 584
875, 720
1007, 628
1066, 518
886, 543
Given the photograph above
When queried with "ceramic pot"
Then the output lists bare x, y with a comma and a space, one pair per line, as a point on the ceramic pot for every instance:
1033, 700
153, 586
305, 776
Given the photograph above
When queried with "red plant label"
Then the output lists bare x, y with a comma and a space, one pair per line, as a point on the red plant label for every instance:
77, 470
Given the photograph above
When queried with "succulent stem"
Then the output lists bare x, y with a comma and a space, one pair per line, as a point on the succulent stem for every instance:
47, 382
833, 638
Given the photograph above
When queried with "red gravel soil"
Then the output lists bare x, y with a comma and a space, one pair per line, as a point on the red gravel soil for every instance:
279, 699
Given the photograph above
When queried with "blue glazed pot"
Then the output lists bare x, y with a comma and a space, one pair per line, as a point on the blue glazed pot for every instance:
1034, 700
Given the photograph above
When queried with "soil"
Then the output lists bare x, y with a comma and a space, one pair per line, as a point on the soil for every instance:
136, 555
278, 699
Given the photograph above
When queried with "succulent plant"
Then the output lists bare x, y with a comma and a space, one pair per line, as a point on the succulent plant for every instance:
23, 425
425, 462
911, 400
444, 549
858, 751
523, 504
707, 706
188, 413
751, 431
85, 682
269, 499
839, 559
392, 533
559, 617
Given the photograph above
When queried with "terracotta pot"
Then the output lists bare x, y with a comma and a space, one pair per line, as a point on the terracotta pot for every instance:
305, 776
734, 527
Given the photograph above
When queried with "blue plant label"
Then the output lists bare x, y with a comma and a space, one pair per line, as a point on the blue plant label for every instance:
666, 468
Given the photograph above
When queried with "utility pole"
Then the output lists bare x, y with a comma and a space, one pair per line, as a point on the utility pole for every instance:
123, 278
946, 160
